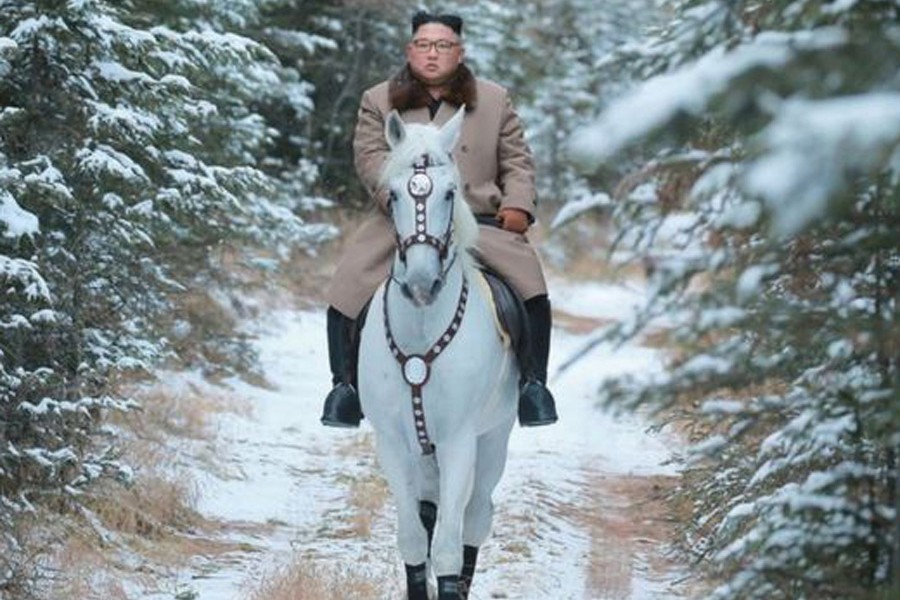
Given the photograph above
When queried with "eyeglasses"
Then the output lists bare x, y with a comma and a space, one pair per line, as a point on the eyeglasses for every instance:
442, 46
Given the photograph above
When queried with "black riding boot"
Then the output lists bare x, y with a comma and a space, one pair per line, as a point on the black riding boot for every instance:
536, 404
342, 404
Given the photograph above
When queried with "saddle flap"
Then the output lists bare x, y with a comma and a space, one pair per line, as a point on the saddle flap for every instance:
509, 310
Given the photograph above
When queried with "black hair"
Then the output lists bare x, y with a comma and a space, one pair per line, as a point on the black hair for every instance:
454, 22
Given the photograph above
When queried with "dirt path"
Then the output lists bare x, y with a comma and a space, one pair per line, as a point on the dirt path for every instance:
580, 511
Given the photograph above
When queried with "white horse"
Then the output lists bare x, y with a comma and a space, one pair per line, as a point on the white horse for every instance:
436, 380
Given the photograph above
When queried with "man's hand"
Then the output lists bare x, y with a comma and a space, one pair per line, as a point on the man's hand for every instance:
513, 219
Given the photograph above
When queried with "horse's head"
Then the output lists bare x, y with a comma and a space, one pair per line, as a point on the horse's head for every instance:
433, 224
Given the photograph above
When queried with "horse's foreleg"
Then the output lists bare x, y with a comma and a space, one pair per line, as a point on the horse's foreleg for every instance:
412, 539
456, 460
490, 463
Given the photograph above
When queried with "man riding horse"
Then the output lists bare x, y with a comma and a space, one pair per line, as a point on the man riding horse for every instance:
498, 183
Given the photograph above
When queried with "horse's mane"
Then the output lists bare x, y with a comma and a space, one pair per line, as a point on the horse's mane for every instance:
423, 139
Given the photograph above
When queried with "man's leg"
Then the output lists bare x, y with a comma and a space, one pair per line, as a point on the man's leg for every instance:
536, 404
342, 407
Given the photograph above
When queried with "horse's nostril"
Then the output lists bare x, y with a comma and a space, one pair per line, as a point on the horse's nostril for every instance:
404, 289
436, 286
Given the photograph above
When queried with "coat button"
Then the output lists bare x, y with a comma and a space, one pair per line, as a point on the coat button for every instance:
464, 148
467, 187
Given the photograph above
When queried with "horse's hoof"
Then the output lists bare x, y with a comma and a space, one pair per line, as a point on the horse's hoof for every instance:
448, 587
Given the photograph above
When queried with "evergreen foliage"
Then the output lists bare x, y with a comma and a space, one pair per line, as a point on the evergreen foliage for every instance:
768, 219
129, 149
549, 54
341, 49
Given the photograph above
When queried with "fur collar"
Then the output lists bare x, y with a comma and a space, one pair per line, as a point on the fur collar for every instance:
406, 92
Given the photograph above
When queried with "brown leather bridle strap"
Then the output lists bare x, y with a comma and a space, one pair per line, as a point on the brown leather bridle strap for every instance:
420, 187
416, 368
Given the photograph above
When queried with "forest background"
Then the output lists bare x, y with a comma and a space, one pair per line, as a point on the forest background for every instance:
743, 153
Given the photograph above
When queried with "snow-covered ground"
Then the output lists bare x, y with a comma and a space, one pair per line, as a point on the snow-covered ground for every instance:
286, 481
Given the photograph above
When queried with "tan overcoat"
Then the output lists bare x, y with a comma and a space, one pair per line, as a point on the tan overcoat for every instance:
496, 168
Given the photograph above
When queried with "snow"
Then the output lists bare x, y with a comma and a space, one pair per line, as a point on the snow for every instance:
574, 208
723, 407
14, 221
26, 273
140, 125
308, 42
597, 300
816, 147
116, 72
31, 27
105, 160
282, 469
689, 90
704, 363
839, 6
749, 284
741, 216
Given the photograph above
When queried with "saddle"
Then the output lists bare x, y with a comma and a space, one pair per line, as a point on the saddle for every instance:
508, 304
509, 308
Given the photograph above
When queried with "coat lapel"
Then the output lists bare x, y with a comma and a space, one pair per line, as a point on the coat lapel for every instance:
417, 115
444, 113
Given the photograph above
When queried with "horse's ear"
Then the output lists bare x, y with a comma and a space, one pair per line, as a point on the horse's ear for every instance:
394, 129
452, 129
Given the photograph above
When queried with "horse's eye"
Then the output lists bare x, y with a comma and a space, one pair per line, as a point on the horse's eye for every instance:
392, 197
450, 195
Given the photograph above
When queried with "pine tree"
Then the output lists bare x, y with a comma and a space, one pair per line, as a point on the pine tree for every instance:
339, 50
767, 218
129, 148
549, 54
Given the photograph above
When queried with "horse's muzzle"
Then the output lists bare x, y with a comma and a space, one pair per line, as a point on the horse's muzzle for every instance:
422, 294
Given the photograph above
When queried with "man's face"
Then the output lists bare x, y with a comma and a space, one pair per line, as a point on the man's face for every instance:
434, 53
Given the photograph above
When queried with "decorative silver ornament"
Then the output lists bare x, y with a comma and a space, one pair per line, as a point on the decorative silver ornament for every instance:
419, 185
415, 370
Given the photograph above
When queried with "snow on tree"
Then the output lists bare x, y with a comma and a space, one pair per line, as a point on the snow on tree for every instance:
549, 53
129, 148
340, 48
767, 217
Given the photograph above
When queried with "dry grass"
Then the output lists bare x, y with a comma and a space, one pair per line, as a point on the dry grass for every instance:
135, 536
155, 507
86, 572
369, 492
368, 496
578, 325
188, 414
305, 579
91, 571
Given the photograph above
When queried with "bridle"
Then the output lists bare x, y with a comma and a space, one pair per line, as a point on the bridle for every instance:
416, 368
420, 187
